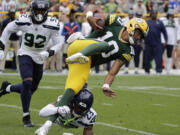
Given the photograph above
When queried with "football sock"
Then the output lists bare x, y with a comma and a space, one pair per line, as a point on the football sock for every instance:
65, 100
96, 48
26, 95
26, 114
16, 88
8, 89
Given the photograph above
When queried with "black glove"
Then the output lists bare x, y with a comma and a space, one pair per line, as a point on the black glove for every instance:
2, 46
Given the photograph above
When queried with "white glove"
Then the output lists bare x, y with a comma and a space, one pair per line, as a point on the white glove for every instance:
63, 110
44, 55
1, 54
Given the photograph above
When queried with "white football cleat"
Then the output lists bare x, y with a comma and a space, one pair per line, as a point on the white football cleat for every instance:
77, 58
41, 131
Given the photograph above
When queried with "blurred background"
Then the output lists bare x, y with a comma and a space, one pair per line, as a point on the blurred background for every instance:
146, 61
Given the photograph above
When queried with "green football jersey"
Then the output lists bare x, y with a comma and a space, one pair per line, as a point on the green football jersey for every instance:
112, 35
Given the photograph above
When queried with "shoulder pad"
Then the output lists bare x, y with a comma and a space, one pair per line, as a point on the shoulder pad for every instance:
23, 19
52, 23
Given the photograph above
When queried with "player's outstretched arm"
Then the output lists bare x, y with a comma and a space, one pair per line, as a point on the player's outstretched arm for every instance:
88, 131
110, 78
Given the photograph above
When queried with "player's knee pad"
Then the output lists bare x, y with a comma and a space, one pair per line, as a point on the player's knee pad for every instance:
27, 84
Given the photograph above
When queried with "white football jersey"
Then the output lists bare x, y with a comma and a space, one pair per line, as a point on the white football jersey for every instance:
35, 37
85, 121
171, 28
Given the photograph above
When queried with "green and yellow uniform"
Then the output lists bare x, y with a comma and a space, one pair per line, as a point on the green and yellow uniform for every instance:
99, 52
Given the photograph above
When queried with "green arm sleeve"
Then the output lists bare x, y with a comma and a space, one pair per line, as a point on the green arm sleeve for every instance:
96, 48
94, 34
65, 100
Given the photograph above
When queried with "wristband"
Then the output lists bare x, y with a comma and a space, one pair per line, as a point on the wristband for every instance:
105, 85
89, 13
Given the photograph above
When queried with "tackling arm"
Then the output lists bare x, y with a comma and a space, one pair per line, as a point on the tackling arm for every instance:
110, 78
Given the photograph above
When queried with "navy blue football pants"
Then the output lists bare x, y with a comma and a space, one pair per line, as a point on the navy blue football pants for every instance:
153, 52
28, 69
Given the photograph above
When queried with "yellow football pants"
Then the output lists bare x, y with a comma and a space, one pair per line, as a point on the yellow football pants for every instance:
78, 73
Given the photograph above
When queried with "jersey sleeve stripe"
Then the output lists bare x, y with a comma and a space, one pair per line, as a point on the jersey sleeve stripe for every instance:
126, 57
130, 56
114, 17
51, 27
110, 20
22, 23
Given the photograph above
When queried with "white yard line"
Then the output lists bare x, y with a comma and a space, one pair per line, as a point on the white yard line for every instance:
161, 105
107, 104
98, 123
51, 87
170, 125
158, 93
17, 107
153, 93
148, 88
123, 128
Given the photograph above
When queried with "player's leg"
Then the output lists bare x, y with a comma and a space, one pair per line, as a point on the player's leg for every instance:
16, 45
158, 54
26, 70
37, 76
77, 77
90, 47
6, 88
24, 88
169, 58
137, 49
2, 62
148, 54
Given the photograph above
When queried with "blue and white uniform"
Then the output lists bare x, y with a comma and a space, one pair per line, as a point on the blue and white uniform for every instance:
85, 121
35, 37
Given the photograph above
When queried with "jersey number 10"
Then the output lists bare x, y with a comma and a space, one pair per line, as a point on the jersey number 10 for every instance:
110, 43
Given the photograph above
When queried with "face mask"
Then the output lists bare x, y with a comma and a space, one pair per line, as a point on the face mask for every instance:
39, 17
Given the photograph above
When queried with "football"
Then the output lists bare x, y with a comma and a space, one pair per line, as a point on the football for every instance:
100, 21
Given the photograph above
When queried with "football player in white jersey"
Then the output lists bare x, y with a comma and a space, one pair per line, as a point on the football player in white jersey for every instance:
37, 29
78, 114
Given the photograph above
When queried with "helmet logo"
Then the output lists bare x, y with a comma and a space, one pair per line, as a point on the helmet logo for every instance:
82, 104
41, 6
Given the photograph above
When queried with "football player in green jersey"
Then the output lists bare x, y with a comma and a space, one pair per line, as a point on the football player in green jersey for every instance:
114, 43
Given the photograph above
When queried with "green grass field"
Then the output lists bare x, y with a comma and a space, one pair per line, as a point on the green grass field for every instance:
145, 105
